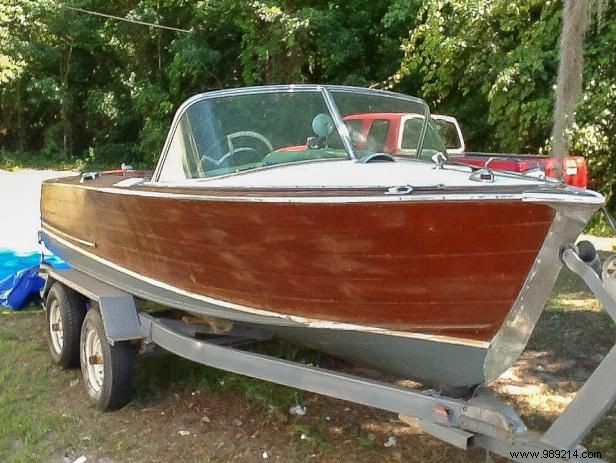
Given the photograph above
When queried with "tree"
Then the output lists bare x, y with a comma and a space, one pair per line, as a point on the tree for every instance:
83, 87
492, 64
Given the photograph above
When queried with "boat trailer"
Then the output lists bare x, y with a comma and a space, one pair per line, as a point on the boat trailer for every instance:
481, 421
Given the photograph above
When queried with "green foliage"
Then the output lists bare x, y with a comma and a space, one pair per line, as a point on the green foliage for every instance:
491, 64
86, 89
594, 133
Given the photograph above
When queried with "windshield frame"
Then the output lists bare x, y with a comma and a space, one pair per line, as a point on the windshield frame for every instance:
325, 91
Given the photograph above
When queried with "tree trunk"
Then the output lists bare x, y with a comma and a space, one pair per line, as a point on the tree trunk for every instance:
21, 133
67, 139
569, 83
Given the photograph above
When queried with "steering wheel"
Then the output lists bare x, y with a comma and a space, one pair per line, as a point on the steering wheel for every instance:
243, 149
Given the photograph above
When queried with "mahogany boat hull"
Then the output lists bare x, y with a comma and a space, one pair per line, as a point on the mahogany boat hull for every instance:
419, 288
421, 357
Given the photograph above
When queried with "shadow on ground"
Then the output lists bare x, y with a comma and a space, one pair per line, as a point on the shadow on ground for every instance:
573, 335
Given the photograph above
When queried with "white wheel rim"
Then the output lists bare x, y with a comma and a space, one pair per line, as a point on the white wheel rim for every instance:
93, 361
56, 329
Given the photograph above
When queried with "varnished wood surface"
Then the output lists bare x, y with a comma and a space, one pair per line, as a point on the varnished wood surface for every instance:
442, 267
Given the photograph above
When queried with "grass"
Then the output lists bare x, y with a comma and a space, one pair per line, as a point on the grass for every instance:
157, 375
43, 418
34, 428
311, 440
37, 425
13, 161
29, 431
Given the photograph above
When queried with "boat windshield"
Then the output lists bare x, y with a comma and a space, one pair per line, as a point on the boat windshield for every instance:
386, 122
233, 131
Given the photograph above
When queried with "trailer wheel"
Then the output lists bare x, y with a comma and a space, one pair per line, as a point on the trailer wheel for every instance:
107, 370
65, 313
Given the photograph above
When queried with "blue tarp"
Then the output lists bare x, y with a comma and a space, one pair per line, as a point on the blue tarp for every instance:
15, 289
19, 278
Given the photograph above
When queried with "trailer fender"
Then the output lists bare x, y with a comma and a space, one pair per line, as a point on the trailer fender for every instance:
117, 308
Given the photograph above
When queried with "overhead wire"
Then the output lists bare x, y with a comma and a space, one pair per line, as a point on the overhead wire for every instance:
120, 18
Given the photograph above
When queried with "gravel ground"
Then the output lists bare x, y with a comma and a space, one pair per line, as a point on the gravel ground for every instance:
20, 194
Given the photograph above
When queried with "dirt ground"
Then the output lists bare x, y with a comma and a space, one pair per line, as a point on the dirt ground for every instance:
186, 412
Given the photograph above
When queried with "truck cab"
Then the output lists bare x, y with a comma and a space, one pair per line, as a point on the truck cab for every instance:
397, 134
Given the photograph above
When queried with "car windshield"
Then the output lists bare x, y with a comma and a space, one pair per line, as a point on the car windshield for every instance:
448, 132
232, 131
432, 142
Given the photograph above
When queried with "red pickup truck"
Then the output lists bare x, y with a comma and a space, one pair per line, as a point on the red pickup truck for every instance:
395, 133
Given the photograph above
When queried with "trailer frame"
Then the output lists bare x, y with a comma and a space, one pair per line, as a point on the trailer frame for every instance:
481, 421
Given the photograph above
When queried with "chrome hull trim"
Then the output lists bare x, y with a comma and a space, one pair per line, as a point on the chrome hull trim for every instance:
68, 236
573, 197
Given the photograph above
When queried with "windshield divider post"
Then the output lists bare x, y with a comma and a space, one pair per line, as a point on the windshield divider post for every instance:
343, 131
424, 129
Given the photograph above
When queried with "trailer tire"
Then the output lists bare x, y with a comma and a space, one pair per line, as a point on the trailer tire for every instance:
107, 369
65, 311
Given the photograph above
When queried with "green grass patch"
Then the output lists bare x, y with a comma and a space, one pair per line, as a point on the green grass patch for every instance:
30, 431
311, 440
57, 160
364, 439
15, 161
159, 374
598, 226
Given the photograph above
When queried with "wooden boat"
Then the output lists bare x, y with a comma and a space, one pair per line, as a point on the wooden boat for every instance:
263, 211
